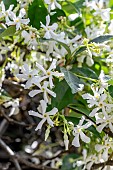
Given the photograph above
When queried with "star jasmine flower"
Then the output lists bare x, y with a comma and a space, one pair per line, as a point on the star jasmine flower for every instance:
5, 13
107, 120
101, 104
52, 4
49, 73
44, 89
28, 75
30, 38
87, 161
92, 100
45, 116
104, 148
49, 29
17, 20
78, 133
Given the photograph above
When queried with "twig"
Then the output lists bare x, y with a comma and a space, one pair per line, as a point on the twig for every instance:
12, 121
96, 166
32, 165
11, 154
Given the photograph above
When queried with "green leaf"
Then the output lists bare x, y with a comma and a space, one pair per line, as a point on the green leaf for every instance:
74, 120
8, 32
7, 3
94, 131
85, 71
72, 80
78, 5
57, 15
68, 161
101, 39
82, 110
37, 13
63, 95
110, 89
110, 81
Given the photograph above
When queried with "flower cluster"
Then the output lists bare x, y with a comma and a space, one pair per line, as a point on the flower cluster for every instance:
33, 50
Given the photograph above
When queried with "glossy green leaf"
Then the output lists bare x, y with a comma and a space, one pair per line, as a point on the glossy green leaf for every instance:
110, 89
74, 120
63, 95
37, 13
85, 71
72, 80
101, 39
7, 3
10, 31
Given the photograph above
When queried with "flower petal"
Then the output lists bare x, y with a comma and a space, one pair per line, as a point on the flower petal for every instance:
40, 124
84, 138
75, 141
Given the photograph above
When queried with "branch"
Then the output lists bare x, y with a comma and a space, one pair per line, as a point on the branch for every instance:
12, 121
32, 165
11, 154
96, 166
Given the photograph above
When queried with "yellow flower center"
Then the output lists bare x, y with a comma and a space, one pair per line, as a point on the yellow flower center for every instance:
17, 20
45, 115
48, 73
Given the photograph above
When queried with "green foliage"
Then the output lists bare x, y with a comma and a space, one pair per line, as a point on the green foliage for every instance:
10, 31
7, 3
68, 161
85, 71
110, 89
64, 95
37, 13
56, 17
101, 39
72, 80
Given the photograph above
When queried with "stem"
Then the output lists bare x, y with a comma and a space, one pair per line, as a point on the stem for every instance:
11, 154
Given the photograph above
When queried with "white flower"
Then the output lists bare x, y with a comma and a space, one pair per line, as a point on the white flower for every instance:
5, 13
52, 4
107, 120
28, 75
94, 31
104, 148
78, 133
49, 29
87, 161
104, 13
89, 59
49, 73
30, 38
92, 100
17, 20
101, 104
44, 89
45, 116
